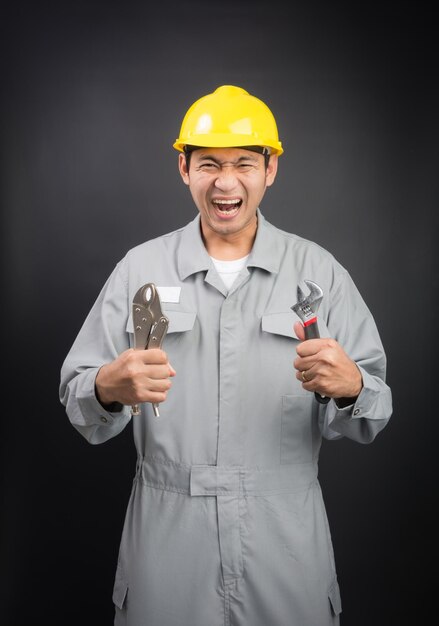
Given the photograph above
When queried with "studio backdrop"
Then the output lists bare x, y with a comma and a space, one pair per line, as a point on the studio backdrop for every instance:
93, 94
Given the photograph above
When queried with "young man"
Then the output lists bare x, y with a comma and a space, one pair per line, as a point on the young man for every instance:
226, 522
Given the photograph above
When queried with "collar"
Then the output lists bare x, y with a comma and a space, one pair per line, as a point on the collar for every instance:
192, 256
266, 252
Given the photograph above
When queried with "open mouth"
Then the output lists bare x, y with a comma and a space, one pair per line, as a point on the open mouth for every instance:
227, 208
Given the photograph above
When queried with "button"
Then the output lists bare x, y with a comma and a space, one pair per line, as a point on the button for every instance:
356, 412
104, 419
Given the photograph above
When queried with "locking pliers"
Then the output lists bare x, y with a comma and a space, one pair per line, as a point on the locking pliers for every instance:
150, 325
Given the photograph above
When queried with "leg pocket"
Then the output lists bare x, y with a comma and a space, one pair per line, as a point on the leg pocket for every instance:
296, 444
334, 597
120, 591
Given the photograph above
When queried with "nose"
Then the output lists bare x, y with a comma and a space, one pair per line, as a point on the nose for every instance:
226, 179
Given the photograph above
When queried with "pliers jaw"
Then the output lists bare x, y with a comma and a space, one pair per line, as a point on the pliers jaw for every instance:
150, 325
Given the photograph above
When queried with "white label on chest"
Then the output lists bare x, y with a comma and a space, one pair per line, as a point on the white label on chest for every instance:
169, 294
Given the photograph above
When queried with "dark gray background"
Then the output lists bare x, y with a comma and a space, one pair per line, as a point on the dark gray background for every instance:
93, 94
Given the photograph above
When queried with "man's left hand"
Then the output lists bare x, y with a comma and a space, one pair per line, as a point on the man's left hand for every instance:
323, 366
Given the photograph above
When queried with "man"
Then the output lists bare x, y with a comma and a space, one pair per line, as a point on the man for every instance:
226, 523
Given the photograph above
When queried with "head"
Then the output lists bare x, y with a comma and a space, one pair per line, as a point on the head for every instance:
229, 149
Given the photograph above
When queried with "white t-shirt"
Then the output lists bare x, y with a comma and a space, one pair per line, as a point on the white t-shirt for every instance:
229, 270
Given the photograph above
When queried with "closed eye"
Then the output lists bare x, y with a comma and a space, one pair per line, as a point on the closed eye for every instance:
211, 166
207, 167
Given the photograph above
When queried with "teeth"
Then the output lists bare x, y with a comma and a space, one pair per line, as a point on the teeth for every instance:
226, 201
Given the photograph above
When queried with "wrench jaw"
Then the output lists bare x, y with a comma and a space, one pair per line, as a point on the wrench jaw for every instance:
307, 306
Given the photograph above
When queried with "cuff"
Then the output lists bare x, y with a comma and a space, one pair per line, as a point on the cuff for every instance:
90, 405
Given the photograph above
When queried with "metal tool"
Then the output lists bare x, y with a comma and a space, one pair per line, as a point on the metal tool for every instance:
150, 326
306, 308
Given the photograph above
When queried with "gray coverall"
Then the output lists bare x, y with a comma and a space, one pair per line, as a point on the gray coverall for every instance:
226, 524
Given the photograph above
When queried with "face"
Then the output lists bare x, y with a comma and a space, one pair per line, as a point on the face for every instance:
227, 186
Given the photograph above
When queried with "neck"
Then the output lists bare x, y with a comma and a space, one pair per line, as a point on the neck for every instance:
229, 247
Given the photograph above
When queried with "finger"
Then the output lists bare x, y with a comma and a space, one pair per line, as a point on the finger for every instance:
158, 385
305, 363
155, 397
310, 347
153, 356
306, 380
151, 395
305, 375
299, 376
157, 372
156, 356
299, 330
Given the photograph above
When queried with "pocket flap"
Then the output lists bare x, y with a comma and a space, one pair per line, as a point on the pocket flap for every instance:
282, 323
179, 321
119, 592
334, 597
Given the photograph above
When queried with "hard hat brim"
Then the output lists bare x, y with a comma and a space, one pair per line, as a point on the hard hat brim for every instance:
227, 141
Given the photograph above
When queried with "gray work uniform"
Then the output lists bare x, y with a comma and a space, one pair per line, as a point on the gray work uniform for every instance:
225, 523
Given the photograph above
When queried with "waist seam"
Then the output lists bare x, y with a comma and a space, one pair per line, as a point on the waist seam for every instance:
224, 481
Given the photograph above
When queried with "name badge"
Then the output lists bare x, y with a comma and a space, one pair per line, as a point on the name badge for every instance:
169, 294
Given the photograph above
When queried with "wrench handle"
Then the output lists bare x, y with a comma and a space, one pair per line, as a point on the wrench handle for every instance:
312, 332
311, 329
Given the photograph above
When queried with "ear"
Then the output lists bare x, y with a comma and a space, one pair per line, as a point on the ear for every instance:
183, 168
271, 171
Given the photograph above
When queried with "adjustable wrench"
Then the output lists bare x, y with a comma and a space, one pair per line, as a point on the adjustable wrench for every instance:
150, 326
306, 308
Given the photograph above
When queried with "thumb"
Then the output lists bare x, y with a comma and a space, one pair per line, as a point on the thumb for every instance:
172, 371
299, 330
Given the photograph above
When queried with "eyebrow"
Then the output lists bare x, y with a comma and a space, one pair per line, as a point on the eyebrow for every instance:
204, 157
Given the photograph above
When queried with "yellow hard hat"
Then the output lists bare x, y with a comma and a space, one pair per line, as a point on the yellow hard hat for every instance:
229, 118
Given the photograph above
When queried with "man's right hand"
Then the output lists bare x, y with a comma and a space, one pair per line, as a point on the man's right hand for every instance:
135, 376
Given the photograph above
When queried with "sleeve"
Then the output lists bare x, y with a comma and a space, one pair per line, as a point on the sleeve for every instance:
101, 339
351, 323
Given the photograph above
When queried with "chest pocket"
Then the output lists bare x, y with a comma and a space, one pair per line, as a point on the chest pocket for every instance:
282, 323
179, 321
